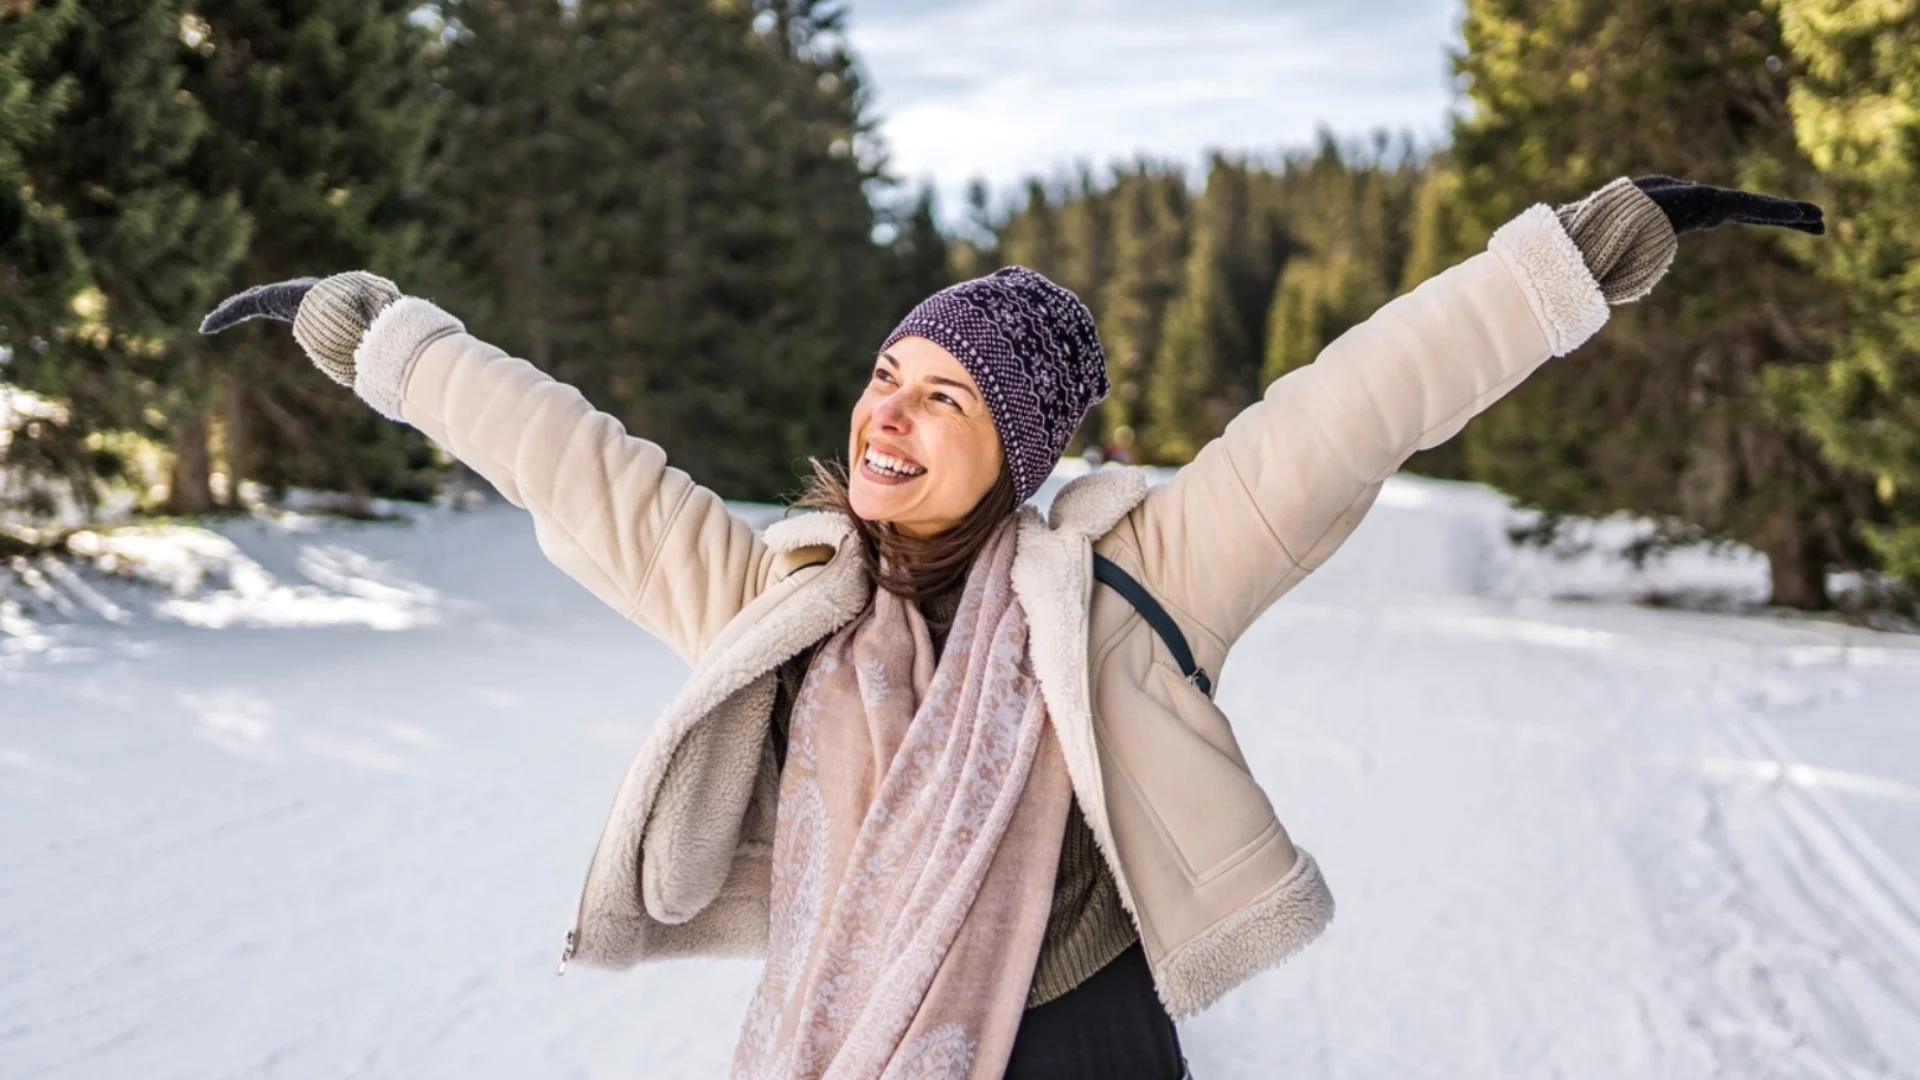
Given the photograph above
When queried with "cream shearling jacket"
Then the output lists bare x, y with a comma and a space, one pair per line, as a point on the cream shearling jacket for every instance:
1215, 885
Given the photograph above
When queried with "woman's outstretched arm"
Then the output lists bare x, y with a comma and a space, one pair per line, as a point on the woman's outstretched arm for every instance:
1268, 501
607, 508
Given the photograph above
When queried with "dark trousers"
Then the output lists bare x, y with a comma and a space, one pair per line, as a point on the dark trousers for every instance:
1111, 1027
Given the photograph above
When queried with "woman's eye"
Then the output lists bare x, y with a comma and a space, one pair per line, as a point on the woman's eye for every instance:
946, 399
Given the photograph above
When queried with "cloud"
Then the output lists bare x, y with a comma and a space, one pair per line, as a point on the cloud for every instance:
1009, 88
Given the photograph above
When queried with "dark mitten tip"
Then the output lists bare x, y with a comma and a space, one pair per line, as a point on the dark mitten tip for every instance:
279, 301
232, 310
1809, 218
1657, 182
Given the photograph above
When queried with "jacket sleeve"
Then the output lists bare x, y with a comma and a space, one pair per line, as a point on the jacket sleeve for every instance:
607, 508
1270, 499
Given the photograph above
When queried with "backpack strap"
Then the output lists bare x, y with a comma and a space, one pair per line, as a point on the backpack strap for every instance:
1108, 572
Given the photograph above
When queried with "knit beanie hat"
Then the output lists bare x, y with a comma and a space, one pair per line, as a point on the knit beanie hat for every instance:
1031, 347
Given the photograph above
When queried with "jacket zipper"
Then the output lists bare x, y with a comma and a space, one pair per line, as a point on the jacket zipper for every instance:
580, 910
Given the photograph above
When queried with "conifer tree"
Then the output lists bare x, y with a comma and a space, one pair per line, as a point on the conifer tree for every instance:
1346, 222
706, 270
1660, 414
976, 250
1085, 256
1857, 114
1031, 236
1306, 314
527, 92
1208, 364
320, 118
1149, 227
40, 260
1436, 235
1190, 395
922, 262
156, 246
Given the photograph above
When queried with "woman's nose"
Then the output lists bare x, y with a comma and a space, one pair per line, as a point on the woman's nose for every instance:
893, 414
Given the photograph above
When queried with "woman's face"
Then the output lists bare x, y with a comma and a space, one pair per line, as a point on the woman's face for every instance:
923, 449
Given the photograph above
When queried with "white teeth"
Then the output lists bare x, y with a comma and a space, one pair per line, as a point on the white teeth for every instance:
891, 465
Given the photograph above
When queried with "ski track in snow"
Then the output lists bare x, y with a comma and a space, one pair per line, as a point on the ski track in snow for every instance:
336, 828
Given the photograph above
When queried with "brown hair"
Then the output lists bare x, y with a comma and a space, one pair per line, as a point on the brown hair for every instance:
914, 567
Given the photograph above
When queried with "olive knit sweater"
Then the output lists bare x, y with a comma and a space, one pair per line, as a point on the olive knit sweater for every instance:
1086, 926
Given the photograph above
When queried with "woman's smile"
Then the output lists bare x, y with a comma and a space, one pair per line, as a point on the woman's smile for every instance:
888, 466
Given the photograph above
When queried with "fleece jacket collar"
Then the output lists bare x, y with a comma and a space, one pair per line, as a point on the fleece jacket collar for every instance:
688, 820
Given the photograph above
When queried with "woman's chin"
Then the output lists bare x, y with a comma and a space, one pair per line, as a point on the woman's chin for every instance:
869, 501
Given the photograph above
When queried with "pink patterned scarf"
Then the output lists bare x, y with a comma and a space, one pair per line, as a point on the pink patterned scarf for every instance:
919, 825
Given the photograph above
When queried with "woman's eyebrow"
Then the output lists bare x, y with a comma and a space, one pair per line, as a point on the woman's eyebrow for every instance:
937, 379
953, 382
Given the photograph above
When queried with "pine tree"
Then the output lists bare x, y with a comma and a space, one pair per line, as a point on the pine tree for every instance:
1208, 365
1436, 236
518, 77
923, 264
976, 250
1190, 396
320, 118
1031, 237
1301, 318
40, 260
42, 269
1347, 217
1857, 115
156, 246
832, 271
1149, 226
709, 272
1660, 415
1085, 259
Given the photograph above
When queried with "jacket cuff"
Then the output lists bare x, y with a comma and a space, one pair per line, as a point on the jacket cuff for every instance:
386, 353
1552, 273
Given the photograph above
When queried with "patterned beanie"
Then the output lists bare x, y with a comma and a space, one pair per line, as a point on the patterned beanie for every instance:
1031, 347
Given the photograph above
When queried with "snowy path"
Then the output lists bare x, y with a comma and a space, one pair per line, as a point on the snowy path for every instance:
1567, 839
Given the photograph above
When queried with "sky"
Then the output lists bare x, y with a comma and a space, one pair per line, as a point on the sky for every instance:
1004, 89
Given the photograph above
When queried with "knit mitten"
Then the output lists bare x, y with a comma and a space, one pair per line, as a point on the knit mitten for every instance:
329, 316
334, 316
1626, 230
1625, 238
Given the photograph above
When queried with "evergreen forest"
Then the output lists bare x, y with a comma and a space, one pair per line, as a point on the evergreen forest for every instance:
685, 211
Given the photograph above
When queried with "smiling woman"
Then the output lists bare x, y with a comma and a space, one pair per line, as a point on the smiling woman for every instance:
931, 476
929, 483
963, 802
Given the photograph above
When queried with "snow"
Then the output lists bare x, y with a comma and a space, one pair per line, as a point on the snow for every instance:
302, 798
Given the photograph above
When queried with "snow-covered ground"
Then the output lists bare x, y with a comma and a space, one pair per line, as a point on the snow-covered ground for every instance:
324, 813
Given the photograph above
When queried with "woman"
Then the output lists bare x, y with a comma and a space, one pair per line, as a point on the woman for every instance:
966, 804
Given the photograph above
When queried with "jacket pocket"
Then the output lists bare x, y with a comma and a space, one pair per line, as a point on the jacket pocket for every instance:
1179, 755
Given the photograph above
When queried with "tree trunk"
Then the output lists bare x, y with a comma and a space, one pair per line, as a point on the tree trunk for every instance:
236, 437
191, 491
359, 503
1795, 561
